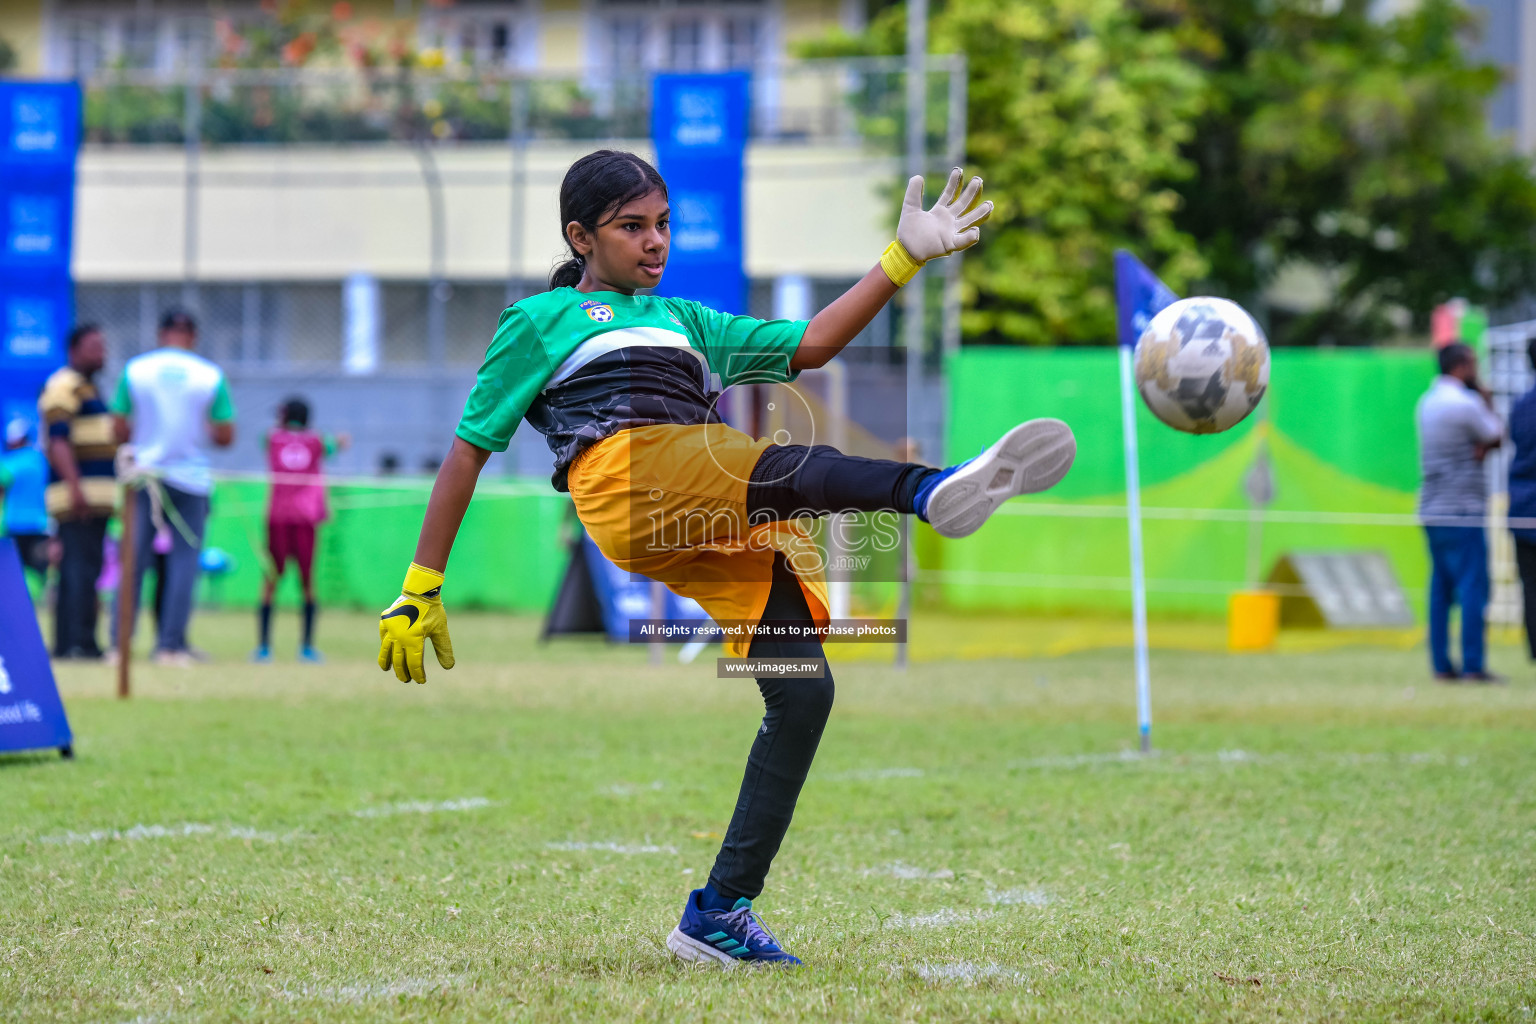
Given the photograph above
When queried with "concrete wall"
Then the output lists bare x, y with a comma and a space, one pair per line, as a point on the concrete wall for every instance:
299, 212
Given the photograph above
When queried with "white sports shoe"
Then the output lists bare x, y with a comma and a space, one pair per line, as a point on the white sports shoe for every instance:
1030, 458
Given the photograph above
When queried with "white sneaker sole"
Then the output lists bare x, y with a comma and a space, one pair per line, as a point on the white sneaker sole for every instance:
1030, 458
692, 950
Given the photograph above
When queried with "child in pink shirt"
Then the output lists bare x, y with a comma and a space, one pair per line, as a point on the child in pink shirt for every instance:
296, 509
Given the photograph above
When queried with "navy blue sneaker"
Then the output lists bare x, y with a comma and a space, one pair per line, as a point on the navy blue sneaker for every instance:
1030, 458
726, 937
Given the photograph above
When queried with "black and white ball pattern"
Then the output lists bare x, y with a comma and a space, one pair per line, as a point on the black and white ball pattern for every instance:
1202, 365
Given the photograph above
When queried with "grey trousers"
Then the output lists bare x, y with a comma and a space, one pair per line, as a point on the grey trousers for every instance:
182, 564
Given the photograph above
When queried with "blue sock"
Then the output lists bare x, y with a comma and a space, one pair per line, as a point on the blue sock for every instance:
711, 899
925, 488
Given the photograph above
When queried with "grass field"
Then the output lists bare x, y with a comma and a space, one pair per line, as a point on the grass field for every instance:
1323, 835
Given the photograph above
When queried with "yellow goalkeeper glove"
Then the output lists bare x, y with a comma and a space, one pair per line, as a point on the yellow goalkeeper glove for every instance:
407, 625
952, 224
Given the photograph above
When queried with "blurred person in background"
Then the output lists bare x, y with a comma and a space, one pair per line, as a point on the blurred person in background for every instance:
294, 513
1522, 498
82, 492
1457, 429
23, 475
172, 404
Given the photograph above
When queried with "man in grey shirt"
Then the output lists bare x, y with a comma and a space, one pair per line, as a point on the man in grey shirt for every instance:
1457, 428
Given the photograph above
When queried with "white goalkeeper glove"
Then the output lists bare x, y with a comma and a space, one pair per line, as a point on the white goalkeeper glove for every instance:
954, 223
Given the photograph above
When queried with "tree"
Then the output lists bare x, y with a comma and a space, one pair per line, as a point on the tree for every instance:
1076, 116
1225, 141
1358, 147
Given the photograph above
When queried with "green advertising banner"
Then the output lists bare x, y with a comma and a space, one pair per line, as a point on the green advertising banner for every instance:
1336, 429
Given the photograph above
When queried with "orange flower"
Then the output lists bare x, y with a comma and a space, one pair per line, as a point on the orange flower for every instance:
341, 11
298, 49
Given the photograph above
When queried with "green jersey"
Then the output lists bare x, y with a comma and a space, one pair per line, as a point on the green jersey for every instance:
581, 366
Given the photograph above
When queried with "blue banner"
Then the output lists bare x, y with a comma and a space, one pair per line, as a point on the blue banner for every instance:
36, 310
699, 128
624, 596
39, 123
31, 714
1139, 296
39, 138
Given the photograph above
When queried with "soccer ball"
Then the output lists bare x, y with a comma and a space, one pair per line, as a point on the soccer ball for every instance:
1202, 365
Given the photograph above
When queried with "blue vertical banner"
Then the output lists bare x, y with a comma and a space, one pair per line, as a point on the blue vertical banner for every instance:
39, 140
31, 714
699, 128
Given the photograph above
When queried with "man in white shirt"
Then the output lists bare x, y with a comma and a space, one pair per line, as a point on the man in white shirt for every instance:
1457, 428
175, 404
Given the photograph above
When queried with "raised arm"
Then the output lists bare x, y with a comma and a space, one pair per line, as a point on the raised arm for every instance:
953, 224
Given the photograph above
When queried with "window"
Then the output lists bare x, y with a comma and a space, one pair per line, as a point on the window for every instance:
85, 39
483, 35
685, 45
192, 39
742, 42
84, 46
683, 35
626, 44
488, 42
140, 42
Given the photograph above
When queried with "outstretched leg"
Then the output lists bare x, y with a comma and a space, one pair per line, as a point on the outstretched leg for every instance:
793, 481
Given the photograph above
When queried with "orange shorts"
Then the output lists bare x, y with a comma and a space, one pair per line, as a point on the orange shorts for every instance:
669, 502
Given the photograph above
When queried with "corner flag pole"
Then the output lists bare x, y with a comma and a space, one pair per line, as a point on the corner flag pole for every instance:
1138, 568
1139, 295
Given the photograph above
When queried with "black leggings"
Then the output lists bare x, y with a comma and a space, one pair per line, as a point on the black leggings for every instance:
791, 481
795, 712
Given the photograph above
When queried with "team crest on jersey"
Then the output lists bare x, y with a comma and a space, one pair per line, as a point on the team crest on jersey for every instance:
599, 311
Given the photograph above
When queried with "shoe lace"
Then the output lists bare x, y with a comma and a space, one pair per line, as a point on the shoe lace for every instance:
747, 920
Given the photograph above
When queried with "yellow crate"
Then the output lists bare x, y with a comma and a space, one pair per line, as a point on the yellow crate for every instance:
1253, 620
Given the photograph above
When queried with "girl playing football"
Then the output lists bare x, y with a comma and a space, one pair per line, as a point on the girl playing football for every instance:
619, 383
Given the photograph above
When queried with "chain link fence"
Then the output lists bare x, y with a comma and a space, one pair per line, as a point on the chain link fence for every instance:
255, 200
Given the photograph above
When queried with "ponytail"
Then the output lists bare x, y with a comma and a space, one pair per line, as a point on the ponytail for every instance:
594, 190
568, 273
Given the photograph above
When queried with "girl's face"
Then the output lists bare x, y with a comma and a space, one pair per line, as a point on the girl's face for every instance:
629, 252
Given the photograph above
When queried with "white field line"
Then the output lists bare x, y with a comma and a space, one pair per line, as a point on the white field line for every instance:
945, 918
469, 803
906, 872
1019, 898
964, 971
193, 828
364, 991
631, 788
1131, 757
950, 917
870, 774
624, 848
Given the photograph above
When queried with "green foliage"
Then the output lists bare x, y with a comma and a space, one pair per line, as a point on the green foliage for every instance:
1359, 147
1076, 118
1223, 140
